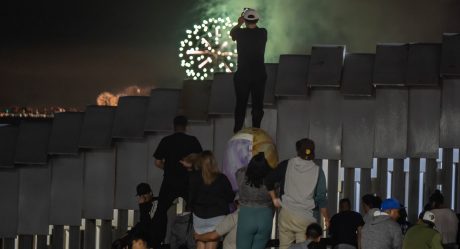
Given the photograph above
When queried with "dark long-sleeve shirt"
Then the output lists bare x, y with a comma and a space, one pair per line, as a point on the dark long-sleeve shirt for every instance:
212, 200
250, 44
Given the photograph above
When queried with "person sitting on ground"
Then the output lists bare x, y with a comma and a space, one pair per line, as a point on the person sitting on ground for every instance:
345, 227
383, 232
313, 238
370, 204
256, 207
423, 235
145, 224
298, 173
210, 196
446, 220
227, 227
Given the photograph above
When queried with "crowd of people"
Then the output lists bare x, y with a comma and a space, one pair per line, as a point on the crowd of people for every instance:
243, 219
296, 188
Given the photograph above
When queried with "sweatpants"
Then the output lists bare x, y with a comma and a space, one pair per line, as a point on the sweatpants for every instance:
292, 228
254, 227
249, 83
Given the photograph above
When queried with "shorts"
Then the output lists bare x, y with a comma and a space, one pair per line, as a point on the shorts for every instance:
206, 225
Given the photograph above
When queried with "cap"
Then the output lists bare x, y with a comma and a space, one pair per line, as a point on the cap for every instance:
428, 216
143, 188
250, 15
390, 204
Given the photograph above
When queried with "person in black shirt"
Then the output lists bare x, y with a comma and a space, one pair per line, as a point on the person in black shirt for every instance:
345, 227
171, 150
251, 75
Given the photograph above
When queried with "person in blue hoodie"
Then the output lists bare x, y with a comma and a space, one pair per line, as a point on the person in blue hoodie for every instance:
302, 188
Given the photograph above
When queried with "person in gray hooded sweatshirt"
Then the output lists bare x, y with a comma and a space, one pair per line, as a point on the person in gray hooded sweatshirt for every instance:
370, 204
303, 187
383, 232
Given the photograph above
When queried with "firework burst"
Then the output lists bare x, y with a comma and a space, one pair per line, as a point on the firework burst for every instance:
208, 48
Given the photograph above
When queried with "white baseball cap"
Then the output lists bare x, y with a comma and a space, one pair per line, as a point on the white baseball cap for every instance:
428, 216
251, 15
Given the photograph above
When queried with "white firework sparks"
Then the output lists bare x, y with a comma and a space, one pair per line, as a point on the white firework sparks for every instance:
208, 48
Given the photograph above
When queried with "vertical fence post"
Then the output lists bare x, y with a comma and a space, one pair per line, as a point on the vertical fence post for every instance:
349, 185
430, 179
42, 242
414, 182
382, 177
332, 188
26, 242
74, 237
106, 234
57, 239
398, 181
446, 175
122, 225
90, 234
365, 184
8, 243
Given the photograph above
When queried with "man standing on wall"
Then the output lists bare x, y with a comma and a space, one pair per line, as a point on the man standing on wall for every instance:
251, 75
171, 150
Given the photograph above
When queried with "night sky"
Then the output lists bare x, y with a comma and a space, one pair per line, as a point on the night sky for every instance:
64, 53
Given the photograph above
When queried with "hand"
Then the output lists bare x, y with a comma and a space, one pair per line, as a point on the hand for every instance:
196, 236
186, 164
145, 198
277, 202
188, 161
326, 223
240, 20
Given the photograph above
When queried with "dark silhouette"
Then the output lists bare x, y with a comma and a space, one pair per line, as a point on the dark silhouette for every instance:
251, 75
168, 155
345, 227
141, 233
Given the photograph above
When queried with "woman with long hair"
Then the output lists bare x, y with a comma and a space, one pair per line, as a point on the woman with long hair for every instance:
210, 196
256, 208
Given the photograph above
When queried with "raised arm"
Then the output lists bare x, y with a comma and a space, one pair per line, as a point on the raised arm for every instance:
234, 30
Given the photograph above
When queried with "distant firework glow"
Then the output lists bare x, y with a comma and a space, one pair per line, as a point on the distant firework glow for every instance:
111, 99
208, 48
